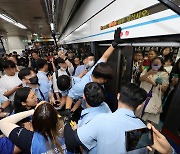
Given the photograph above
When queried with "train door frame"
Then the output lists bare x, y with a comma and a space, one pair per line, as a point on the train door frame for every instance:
119, 54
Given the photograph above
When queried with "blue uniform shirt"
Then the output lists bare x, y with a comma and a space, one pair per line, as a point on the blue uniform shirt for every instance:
74, 81
106, 132
89, 113
79, 70
44, 84
77, 90
2, 99
39, 145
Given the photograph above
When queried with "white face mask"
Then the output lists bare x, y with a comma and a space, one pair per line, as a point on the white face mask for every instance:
91, 63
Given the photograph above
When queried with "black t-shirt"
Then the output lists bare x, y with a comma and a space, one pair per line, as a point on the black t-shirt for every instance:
22, 138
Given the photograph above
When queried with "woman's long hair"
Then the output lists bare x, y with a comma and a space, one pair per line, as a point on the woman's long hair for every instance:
45, 121
21, 95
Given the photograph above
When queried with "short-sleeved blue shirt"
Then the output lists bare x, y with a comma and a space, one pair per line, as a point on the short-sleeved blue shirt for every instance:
44, 85
89, 113
106, 132
74, 81
77, 90
2, 99
79, 70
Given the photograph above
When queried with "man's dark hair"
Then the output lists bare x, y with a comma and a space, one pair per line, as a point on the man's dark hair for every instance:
139, 51
63, 82
41, 63
169, 59
86, 55
60, 60
34, 51
15, 52
76, 57
103, 70
154, 50
8, 64
69, 51
94, 94
24, 72
132, 95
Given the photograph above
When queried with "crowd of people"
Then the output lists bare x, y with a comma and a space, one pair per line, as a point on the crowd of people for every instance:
55, 102
158, 74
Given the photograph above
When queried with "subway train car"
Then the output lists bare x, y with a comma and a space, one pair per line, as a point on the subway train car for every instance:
145, 25
90, 25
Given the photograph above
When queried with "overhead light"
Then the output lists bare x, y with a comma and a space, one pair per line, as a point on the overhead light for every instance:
35, 34
12, 21
52, 26
20, 25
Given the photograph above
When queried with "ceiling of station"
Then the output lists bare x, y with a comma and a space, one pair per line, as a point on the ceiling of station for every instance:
27, 12
33, 14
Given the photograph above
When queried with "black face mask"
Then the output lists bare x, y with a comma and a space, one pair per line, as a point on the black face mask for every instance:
34, 80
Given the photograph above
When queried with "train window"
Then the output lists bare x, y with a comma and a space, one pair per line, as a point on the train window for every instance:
124, 64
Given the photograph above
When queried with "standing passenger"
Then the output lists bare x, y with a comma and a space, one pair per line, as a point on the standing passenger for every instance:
99, 73
47, 135
33, 62
155, 82
10, 82
77, 62
44, 82
88, 62
106, 132
66, 68
147, 62
29, 79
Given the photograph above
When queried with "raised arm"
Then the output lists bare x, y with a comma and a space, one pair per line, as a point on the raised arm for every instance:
110, 50
9, 123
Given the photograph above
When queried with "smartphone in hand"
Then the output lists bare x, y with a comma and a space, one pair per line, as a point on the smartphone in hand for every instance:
138, 138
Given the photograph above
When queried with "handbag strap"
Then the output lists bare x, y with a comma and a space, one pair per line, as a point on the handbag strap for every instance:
149, 96
42, 94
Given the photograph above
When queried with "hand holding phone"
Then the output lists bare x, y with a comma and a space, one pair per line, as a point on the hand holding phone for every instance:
160, 142
138, 138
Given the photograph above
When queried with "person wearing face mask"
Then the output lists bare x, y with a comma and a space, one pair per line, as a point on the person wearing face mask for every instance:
66, 68
155, 81
100, 73
88, 62
29, 79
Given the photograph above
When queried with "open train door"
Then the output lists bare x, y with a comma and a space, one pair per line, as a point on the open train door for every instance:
121, 62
